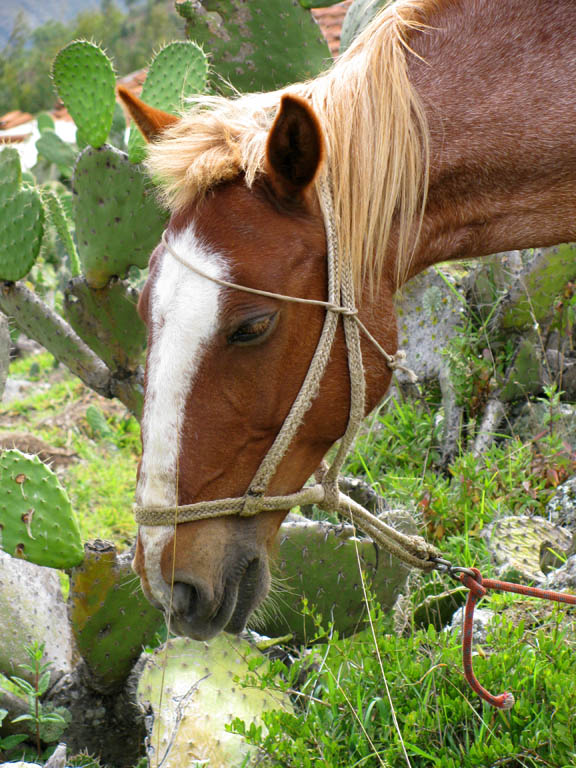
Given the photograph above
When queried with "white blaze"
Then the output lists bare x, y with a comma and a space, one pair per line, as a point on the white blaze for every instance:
183, 318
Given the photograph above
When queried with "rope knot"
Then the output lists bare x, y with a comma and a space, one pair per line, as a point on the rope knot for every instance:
396, 363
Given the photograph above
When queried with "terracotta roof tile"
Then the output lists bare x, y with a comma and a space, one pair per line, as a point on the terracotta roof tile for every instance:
330, 20
14, 119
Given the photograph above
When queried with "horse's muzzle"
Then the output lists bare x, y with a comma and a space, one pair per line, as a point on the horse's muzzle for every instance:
201, 613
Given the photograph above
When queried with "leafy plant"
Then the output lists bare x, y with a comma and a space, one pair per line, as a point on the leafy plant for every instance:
10, 742
48, 723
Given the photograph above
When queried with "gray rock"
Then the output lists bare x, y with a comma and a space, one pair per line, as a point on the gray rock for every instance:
483, 620
562, 578
32, 609
428, 316
535, 418
561, 509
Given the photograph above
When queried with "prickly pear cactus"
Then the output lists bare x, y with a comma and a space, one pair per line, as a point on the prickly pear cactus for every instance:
118, 222
107, 320
56, 151
110, 617
321, 562
37, 520
177, 71
192, 689
21, 219
55, 206
257, 46
359, 15
532, 298
85, 80
518, 544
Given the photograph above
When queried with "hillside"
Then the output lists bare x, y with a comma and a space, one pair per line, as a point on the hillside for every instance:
37, 12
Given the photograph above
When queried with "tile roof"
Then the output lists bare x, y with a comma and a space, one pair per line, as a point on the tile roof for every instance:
330, 20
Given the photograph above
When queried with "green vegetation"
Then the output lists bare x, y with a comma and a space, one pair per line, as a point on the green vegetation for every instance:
103, 436
26, 59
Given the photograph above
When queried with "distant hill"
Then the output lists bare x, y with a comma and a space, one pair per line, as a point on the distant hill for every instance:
37, 12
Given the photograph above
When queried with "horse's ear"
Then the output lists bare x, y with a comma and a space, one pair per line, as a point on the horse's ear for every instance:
295, 147
149, 120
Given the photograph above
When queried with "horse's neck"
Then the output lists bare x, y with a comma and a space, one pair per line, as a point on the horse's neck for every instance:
499, 89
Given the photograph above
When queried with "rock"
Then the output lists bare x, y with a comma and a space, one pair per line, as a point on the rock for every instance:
561, 509
562, 578
32, 609
483, 620
16, 389
429, 314
538, 418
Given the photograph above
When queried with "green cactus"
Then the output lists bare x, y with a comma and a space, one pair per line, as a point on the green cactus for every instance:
519, 543
107, 320
38, 523
21, 219
110, 617
40, 322
45, 122
257, 46
321, 562
179, 70
85, 80
359, 15
532, 298
59, 218
118, 222
194, 690
56, 151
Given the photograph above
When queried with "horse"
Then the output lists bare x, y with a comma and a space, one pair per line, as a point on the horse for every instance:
445, 131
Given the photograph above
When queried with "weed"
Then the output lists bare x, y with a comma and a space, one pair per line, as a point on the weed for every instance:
48, 723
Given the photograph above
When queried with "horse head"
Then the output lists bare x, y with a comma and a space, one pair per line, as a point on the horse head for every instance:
224, 367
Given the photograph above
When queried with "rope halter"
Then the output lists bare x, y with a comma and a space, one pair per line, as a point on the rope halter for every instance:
413, 550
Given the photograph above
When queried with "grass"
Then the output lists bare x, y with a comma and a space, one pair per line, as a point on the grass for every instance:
101, 433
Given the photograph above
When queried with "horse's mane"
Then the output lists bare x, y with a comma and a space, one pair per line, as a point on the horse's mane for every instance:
375, 132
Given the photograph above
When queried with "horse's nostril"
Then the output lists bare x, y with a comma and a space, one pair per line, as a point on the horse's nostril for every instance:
185, 599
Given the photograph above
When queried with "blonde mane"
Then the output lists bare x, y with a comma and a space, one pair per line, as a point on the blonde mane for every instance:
374, 128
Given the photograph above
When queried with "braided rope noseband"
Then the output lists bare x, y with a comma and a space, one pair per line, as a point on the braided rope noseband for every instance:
413, 550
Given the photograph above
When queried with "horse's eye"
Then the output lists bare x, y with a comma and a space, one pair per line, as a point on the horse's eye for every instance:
254, 331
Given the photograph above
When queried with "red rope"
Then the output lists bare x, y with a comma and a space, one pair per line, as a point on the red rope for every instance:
478, 587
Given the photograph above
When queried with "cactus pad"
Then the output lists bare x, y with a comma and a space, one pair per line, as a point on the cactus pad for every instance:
179, 70
110, 617
532, 298
21, 219
257, 46
51, 147
85, 80
518, 544
193, 691
118, 222
321, 562
107, 320
359, 15
37, 521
